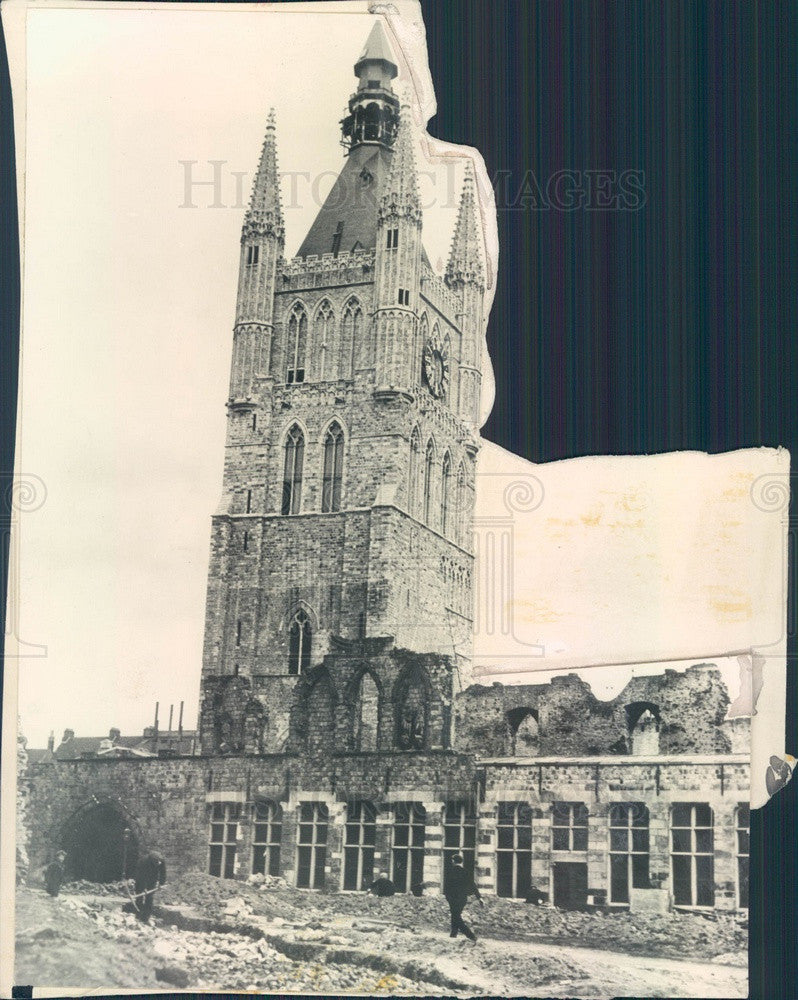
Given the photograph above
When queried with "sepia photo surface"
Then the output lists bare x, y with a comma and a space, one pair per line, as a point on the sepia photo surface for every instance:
318, 690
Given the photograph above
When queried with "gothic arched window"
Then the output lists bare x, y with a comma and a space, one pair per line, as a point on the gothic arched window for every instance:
299, 643
333, 468
645, 734
352, 345
321, 715
413, 474
297, 344
367, 711
429, 469
324, 334
411, 704
292, 471
446, 484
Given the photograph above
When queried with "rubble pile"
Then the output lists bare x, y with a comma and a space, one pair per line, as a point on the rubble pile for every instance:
230, 961
83, 887
348, 943
267, 881
675, 935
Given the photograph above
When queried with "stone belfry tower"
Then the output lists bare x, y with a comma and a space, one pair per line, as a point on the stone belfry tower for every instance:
341, 555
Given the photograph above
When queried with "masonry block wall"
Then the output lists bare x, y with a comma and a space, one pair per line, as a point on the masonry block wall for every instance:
174, 804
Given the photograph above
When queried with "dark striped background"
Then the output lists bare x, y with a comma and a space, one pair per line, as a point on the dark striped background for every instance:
667, 328
670, 327
650, 330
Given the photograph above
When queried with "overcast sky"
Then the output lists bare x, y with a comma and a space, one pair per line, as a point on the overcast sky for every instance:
128, 306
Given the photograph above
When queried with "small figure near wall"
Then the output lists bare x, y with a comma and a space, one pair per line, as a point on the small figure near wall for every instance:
150, 875
382, 886
54, 874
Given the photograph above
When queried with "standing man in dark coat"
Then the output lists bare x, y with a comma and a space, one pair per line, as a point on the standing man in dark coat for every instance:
54, 874
150, 873
459, 886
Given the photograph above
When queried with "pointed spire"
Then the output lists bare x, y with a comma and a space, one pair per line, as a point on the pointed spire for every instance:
378, 50
265, 213
465, 259
400, 195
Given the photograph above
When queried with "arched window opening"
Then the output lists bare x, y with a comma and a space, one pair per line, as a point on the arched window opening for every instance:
352, 344
645, 736
413, 477
292, 472
429, 469
412, 705
367, 709
325, 328
299, 643
524, 732
321, 716
254, 727
642, 718
372, 118
333, 469
297, 344
446, 483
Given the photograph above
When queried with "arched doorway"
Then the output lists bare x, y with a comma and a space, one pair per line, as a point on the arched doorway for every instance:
100, 844
524, 732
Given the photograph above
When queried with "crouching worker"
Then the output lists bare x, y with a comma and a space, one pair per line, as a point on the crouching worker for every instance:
536, 896
150, 875
459, 886
54, 874
382, 886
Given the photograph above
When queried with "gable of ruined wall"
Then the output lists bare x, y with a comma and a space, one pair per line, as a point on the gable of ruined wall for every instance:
690, 707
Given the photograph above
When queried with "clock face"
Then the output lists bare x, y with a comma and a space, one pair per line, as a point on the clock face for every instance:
436, 367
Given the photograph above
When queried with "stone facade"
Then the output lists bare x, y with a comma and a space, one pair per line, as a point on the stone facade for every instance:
357, 346
174, 804
338, 734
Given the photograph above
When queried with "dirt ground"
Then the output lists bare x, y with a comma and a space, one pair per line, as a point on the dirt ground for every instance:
214, 934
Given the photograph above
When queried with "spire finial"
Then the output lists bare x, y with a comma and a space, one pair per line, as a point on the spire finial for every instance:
465, 259
401, 190
265, 212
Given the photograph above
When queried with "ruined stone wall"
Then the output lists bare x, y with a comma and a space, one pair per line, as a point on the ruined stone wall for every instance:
689, 707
